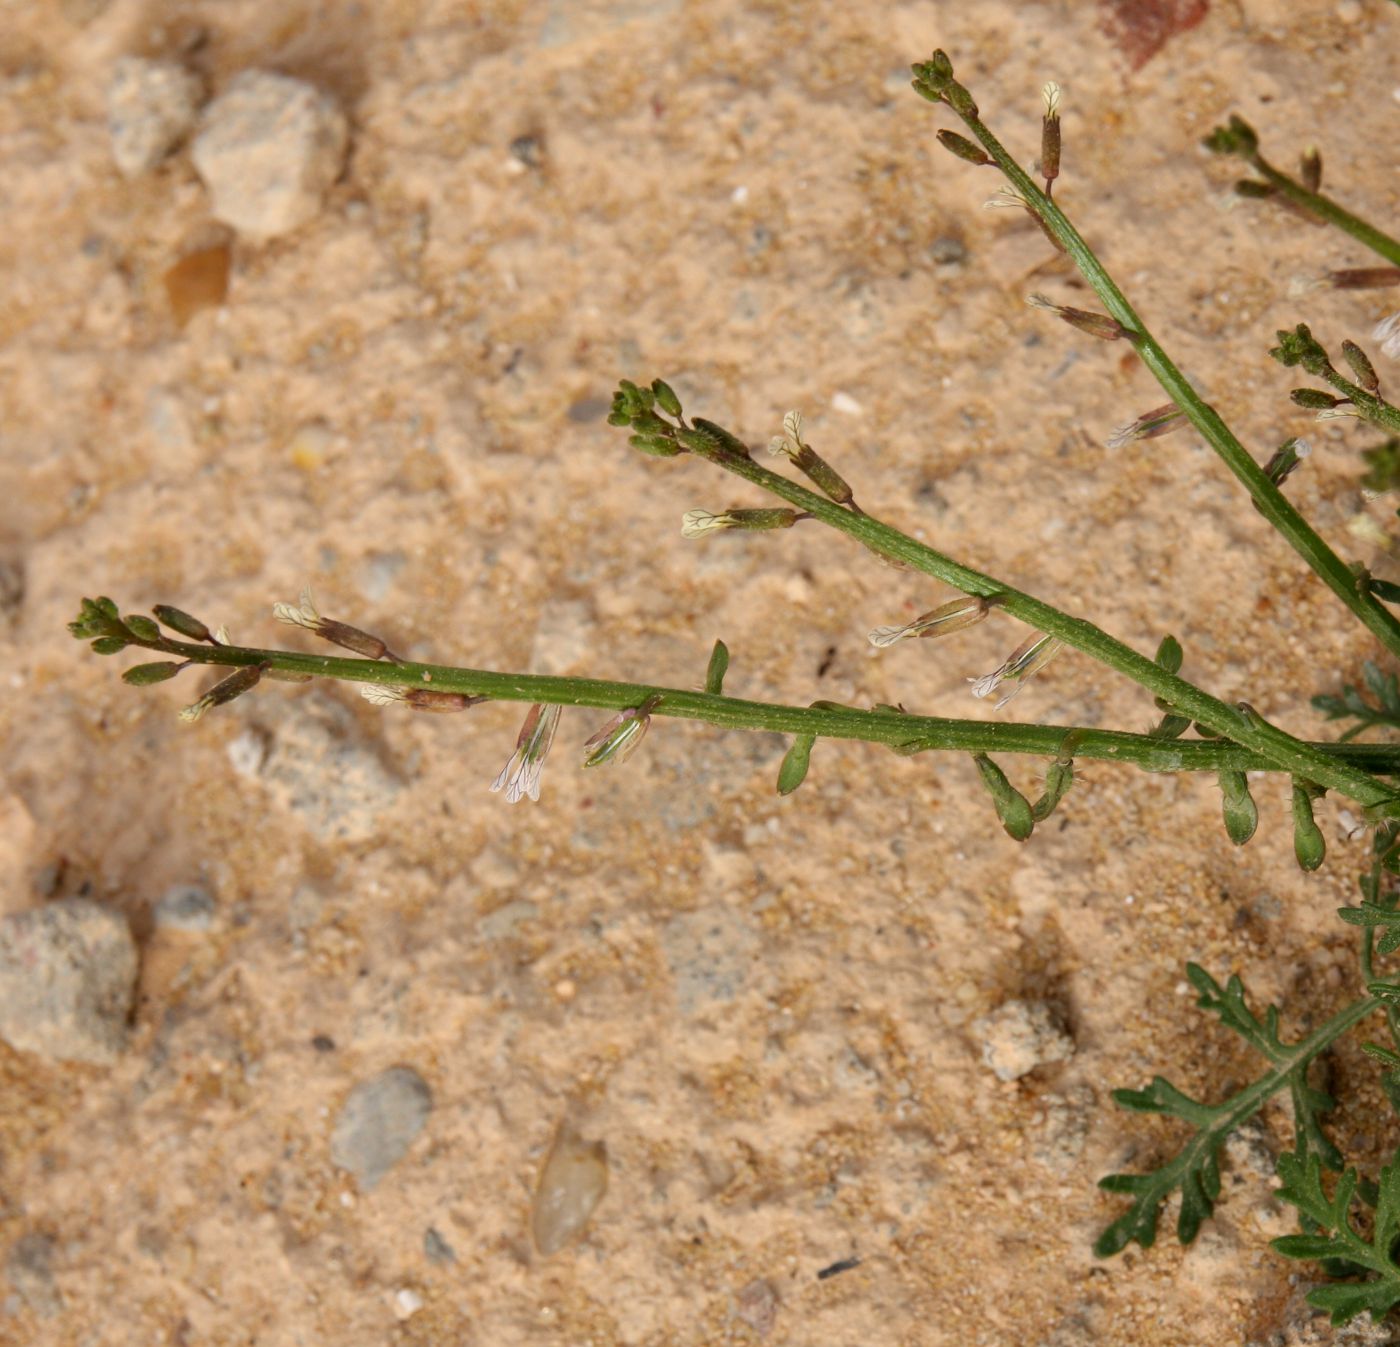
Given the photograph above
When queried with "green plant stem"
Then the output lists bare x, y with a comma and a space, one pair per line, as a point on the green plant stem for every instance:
908, 733
1327, 209
1371, 407
1242, 726
1274, 506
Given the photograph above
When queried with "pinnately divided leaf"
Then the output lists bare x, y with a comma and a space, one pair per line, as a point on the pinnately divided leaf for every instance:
1352, 704
1303, 1187
1194, 1169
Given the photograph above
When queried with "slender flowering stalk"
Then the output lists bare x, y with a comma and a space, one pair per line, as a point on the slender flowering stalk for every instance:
1027, 660
520, 777
948, 617
619, 738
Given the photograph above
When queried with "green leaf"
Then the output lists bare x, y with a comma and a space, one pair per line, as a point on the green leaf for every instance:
719, 666
1170, 655
793, 771
1013, 809
1373, 916
1193, 1169
1352, 704
1302, 1186
1240, 812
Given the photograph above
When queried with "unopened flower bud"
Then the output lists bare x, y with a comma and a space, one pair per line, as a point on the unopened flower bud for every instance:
181, 622
1312, 398
1285, 458
1050, 135
304, 615
666, 398
418, 699
142, 628
963, 148
699, 523
1361, 366
1098, 325
235, 685
1159, 421
948, 617
143, 675
791, 445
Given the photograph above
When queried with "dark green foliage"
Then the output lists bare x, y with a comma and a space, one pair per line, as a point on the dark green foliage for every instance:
1351, 704
1194, 1169
793, 770
1373, 1257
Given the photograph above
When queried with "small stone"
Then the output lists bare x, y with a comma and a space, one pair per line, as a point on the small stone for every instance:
573, 1180
407, 1303
67, 975
151, 106
437, 1249
947, 251
757, 1305
378, 1122
268, 149
29, 1269
186, 907
710, 953
1020, 1036
845, 404
198, 281
1062, 1134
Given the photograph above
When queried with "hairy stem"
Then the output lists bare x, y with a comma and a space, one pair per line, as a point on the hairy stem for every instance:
1271, 502
908, 733
1241, 725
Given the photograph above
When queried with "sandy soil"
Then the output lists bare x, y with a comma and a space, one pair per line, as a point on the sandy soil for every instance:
764, 1007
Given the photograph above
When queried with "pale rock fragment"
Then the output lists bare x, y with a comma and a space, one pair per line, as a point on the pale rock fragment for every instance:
151, 106
572, 1182
268, 149
67, 977
1019, 1036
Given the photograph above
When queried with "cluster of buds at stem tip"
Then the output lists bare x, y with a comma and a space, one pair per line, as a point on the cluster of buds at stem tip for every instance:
303, 614
933, 79
791, 445
1098, 325
1027, 660
618, 739
1050, 135
520, 777
1159, 421
701, 523
948, 617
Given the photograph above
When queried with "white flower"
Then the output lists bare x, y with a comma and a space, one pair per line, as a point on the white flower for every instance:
521, 775
1387, 332
1023, 663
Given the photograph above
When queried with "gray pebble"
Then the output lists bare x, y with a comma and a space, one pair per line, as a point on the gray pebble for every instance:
186, 907
378, 1123
151, 106
268, 149
710, 953
437, 1249
67, 976
29, 1269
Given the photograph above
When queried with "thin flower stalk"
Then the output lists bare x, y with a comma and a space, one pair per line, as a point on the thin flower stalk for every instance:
934, 81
